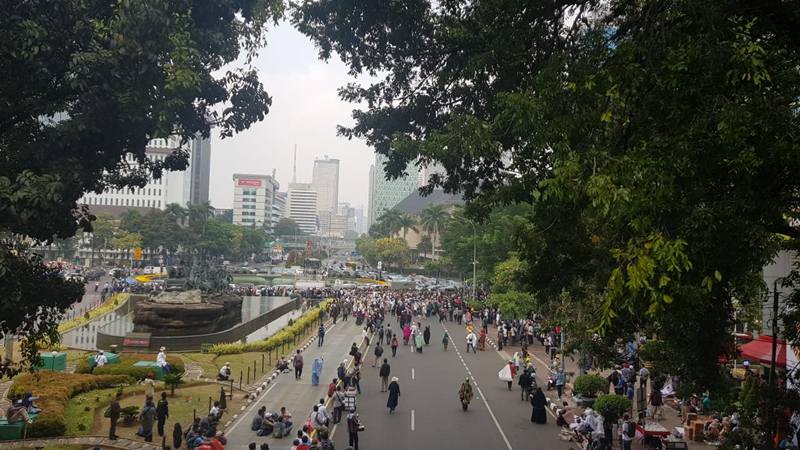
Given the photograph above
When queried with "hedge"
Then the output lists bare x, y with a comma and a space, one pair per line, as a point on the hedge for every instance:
55, 389
589, 385
286, 335
109, 305
612, 407
125, 366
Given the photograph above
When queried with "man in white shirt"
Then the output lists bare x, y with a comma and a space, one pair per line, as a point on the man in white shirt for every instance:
161, 360
471, 342
100, 360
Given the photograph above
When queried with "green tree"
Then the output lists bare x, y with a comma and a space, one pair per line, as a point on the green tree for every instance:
425, 245
86, 85
432, 220
103, 230
656, 141
407, 223
391, 222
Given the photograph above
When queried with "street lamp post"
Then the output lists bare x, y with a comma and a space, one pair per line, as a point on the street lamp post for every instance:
474, 258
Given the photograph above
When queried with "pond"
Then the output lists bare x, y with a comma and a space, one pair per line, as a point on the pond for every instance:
120, 321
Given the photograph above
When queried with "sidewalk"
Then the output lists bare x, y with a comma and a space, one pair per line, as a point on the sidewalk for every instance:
670, 416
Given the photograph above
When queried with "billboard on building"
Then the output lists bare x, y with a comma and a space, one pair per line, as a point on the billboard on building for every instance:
249, 182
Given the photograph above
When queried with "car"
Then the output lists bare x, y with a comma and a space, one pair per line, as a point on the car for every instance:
148, 270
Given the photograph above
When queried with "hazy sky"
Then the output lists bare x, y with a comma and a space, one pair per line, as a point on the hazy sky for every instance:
305, 111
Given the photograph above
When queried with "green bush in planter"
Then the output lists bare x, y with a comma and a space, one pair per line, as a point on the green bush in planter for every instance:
589, 385
612, 406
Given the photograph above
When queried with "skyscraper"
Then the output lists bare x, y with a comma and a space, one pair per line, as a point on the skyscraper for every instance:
253, 200
301, 206
385, 194
325, 180
181, 187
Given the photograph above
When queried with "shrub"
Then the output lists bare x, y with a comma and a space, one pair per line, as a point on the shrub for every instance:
612, 407
55, 389
589, 385
287, 334
125, 366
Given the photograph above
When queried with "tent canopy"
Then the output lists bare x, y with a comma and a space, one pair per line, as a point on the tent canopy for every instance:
760, 350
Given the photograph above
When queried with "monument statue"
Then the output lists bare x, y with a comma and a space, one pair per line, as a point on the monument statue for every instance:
200, 303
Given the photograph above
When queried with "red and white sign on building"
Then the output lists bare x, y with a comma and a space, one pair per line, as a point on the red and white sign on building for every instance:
249, 182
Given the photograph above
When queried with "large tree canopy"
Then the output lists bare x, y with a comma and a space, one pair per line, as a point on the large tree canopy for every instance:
85, 85
658, 141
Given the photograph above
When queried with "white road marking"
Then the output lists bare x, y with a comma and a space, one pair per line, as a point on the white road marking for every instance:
236, 423
412, 373
480, 394
412, 420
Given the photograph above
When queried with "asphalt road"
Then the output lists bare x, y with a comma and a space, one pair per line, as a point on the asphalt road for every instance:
429, 414
297, 396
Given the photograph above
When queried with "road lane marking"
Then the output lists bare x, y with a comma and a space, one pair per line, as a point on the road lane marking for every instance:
242, 416
480, 393
412, 420
412, 373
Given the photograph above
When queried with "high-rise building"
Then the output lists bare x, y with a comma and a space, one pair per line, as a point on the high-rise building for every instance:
253, 200
361, 220
278, 208
385, 194
181, 187
301, 206
325, 180
425, 173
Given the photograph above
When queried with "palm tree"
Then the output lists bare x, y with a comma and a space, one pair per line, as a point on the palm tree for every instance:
432, 219
391, 221
407, 222
424, 245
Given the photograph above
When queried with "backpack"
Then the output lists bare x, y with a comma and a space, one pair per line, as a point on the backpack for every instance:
630, 431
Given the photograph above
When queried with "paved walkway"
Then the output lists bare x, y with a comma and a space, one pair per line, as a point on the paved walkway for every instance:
120, 443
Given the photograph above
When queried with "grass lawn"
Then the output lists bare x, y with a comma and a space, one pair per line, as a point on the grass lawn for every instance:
187, 401
211, 364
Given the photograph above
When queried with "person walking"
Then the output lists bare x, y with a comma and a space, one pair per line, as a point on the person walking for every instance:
426, 335
394, 395
378, 351
147, 417
561, 380
394, 345
384, 374
316, 370
482, 340
115, 411
445, 340
162, 412
471, 342
465, 394
655, 401
353, 428
628, 430
539, 407
320, 335
338, 404
525, 382
297, 362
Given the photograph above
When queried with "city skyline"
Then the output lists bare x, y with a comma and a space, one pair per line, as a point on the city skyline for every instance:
305, 112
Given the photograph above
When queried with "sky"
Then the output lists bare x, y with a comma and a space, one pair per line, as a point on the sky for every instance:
305, 111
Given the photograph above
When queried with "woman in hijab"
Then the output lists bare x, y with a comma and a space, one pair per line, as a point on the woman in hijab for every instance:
539, 403
394, 395
316, 371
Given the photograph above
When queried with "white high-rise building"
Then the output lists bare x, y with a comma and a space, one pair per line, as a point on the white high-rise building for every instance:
301, 206
385, 194
253, 200
181, 187
325, 180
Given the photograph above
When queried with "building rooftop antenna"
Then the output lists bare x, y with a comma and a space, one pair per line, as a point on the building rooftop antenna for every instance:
294, 165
